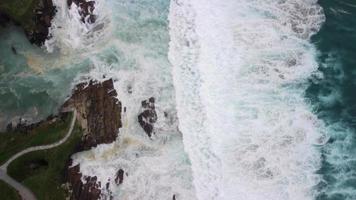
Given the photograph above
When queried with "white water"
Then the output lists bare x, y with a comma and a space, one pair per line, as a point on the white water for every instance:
134, 54
69, 34
240, 73
240, 69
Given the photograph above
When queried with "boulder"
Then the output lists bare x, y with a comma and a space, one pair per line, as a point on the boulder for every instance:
148, 116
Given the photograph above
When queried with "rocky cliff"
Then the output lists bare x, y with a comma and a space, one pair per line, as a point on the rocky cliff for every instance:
99, 113
34, 16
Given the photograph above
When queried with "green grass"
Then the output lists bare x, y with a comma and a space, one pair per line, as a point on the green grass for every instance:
46, 181
47, 133
7, 192
20, 11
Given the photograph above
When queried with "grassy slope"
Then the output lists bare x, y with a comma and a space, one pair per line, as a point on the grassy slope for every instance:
20, 11
7, 192
11, 143
46, 181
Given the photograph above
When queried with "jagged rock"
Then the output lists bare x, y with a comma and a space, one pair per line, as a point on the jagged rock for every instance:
35, 21
90, 190
119, 177
86, 9
23, 126
148, 116
43, 15
99, 112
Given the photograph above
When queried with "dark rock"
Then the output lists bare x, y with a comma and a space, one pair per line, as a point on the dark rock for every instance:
99, 112
148, 116
119, 177
13, 49
85, 11
90, 190
9, 127
4, 19
35, 21
174, 197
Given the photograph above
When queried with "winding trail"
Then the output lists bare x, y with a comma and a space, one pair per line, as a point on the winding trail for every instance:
24, 192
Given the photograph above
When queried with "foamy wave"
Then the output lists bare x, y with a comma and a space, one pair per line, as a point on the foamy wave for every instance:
68, 33
240, 73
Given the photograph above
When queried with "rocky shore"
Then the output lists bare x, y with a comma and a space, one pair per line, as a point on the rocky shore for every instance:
35, 16
99, 114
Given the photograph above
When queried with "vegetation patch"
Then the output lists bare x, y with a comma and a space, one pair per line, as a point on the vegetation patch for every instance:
7, 192
46, 133
43, 171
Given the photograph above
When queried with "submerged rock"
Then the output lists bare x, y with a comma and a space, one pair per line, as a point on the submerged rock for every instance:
148, 116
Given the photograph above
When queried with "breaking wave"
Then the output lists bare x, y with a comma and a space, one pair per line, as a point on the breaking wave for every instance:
240, 73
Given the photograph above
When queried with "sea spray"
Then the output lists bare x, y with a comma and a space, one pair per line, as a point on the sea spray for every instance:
136, 59
240, 74
69, 33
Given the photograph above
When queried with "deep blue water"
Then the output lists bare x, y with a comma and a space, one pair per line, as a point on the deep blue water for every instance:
335, 98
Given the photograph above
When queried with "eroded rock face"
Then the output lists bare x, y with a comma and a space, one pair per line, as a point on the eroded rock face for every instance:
119, 177
86, 9
99, 112
148, 116
35, 21
43, 14
90, 190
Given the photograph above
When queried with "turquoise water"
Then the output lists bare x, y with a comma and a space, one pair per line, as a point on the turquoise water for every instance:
30, 86
34, 83
334, 96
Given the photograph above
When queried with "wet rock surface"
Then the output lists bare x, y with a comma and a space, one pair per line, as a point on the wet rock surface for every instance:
42, 17
35, 21
119, 177
99, 114
148, 117
25, 127
90, 190
86, 9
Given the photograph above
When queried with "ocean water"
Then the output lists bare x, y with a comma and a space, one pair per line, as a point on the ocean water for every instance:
254, 97
334, 97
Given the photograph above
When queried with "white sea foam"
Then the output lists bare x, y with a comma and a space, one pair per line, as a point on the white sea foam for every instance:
240, 73
135, 58
68, 33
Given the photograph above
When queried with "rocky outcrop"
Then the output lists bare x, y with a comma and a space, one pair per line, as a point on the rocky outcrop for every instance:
4, 19
119, 177
85, 11
90, 190
25, 127
42, 17
99, 112
148, 116
34, 16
